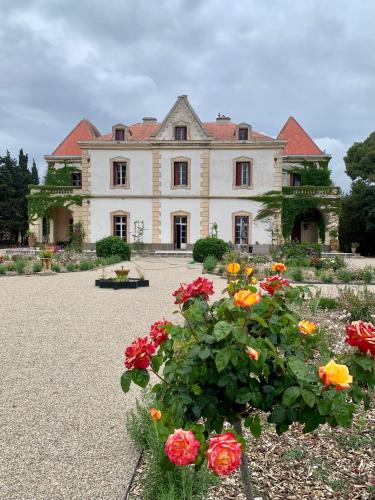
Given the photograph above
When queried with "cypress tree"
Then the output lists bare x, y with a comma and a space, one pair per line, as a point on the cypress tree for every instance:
34, 174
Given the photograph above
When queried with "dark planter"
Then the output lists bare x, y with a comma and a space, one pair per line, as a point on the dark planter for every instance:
116, 285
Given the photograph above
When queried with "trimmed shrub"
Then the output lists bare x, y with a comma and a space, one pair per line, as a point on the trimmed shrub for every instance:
367, 274
56, 267
71, 267
113, 245
327, 277
209, 263
37, 267
3, 269
209, 246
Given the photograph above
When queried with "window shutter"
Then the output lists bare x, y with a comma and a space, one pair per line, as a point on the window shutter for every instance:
114, 179
186, 172
250, 174
238, 174
175, 175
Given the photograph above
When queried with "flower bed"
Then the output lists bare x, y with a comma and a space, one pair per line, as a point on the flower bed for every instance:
246, 359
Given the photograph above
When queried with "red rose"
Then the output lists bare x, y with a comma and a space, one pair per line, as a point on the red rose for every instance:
362, 335
200, 287
182, 294
158, 333
224, 454
182, 447
138, 353
274, 283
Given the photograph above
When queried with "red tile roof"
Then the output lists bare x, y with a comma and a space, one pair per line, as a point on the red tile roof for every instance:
299, 142
219, 131
86, 131
83, 131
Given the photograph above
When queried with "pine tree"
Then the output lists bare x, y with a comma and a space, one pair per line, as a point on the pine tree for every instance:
34, 174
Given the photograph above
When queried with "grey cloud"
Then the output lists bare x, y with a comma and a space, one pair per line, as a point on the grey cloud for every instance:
255, 61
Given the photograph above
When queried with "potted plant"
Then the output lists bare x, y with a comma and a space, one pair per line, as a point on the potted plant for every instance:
334, 242
354, 246
31, 238
46, 257
122, 273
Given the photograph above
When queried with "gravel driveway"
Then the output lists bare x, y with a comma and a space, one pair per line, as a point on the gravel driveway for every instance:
61, 408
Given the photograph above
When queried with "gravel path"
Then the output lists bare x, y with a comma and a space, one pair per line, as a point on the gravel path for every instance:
61, 408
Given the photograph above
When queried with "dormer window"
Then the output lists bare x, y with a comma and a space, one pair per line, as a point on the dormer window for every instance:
119, 134
243, 134
180, 133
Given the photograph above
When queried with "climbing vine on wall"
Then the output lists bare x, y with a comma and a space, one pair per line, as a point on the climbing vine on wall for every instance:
313, 174
57, 192
292, 206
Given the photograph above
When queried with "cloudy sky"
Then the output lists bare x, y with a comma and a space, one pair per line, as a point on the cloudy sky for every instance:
256, 61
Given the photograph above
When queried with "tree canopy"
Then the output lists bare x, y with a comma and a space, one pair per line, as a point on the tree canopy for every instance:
360, 160
15, 178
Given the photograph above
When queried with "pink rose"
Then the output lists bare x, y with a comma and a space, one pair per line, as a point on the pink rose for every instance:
182, 447
224, 454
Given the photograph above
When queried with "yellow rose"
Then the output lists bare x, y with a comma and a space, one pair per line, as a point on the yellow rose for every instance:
253, 280
233, 268
278, 267
307, 327
245, 298
248, 270
337, 375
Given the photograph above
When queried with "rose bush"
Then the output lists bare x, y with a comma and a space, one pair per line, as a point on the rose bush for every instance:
242, 355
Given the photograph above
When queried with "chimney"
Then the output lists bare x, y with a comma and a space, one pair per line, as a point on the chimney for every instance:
149, 119
222, 118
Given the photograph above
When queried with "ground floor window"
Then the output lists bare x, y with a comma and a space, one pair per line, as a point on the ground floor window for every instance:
241, 230
120, 224
180, 231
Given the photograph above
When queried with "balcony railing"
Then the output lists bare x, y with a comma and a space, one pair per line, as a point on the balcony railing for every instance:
55, 190
312, 190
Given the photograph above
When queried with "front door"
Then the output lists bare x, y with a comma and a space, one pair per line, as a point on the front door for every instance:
180, 232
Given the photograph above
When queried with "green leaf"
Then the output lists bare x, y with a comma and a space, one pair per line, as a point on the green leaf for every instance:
156, 362
324, 406
222, 329
277, 416
364, 362
290, 395
222, 358
302, 371
308, 397
140, 377
256, 427
204, 353
195, 389
243, 395
239, 334
258, 319
311, 419
126, 379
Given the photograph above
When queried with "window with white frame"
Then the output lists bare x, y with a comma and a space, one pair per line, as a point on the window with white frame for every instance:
241, 229
180, 173
119, 173
120, 223
243, 173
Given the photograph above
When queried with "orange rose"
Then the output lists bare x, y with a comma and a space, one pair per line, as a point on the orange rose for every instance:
252, 353
337, 375
245, 298
278, 267
233, 268
223, 454
155, 414
182, 447
307, 327
248, 270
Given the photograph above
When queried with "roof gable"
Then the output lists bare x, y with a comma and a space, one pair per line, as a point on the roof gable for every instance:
83, 131
181, 114
299, 142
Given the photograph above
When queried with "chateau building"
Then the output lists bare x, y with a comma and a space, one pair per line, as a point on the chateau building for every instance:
177, 177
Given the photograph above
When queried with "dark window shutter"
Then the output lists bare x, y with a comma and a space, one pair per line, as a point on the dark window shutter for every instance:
175, 180
249, 173
114, 173
187, 172
238, 174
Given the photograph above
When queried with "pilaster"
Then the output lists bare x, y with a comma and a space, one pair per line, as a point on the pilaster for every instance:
204, 192
156, 192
